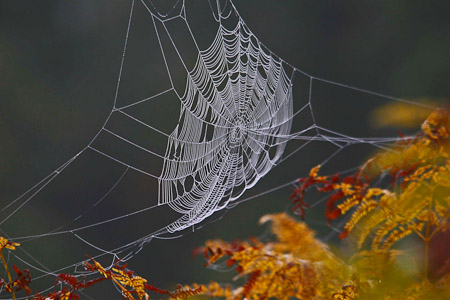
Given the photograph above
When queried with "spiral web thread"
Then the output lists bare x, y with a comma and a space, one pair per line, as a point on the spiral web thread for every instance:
234, 123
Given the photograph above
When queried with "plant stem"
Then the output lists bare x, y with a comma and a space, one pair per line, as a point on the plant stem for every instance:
9, 275
426, 263
426, 240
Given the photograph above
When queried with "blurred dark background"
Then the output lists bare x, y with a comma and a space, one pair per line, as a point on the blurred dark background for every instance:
59, 63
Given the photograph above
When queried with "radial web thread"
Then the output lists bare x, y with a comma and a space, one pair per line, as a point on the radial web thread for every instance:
235, 120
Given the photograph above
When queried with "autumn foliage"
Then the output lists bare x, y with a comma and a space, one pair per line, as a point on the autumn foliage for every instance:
133, 287
395, 207
413, 206
294, 265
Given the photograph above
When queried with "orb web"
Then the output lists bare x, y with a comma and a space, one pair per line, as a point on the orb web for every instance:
237, 111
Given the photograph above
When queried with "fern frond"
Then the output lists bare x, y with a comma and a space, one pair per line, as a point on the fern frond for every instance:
362, 210
400, 233
381, 233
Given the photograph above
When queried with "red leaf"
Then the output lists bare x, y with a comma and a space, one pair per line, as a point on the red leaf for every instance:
230, 262
343, 234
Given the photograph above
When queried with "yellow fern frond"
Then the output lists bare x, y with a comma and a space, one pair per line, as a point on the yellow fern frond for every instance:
347, 292
400, 233
362, 210
398, 114
381, 233
296, 238
6, 244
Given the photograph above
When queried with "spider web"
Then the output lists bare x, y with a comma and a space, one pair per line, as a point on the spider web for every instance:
220, 117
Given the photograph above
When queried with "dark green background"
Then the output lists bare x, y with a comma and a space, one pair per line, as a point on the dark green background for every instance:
59, 62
